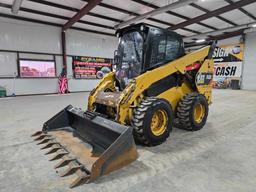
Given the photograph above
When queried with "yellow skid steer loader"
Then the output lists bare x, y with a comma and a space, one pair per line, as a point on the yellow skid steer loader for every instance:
154, 85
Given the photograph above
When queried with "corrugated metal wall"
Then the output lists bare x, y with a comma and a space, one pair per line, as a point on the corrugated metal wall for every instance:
25, 36
249, 64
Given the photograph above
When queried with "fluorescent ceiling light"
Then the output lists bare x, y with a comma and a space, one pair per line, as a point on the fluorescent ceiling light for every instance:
200, 40
16, 6
254, 25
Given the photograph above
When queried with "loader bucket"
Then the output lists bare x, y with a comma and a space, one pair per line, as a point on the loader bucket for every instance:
87, 144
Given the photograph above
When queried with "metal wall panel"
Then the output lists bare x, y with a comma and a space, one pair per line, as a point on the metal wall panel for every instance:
36, 56
89, 44
249, 65
230, 41
59, 62
25, 36
8, 64
26, 86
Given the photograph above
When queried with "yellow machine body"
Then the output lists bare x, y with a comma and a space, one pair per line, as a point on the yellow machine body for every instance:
124, 102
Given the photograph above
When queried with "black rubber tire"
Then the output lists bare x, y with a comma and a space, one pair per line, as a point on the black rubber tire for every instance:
185, 111
142, 117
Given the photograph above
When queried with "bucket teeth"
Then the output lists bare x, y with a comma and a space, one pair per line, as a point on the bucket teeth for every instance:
73, 167
37, 133
53, 149
46, 140
60, 154
81, 179
42, 136
65, 161
49, 144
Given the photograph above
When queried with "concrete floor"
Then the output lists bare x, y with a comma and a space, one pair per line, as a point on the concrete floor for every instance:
220, 157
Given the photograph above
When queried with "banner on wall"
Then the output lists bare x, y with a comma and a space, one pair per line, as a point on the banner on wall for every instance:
228, 61
91, 67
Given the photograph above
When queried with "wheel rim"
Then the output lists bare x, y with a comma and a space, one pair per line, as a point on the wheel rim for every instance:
159, 122
199, 113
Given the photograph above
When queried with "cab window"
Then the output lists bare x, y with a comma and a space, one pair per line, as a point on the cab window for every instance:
158, 50
172, 48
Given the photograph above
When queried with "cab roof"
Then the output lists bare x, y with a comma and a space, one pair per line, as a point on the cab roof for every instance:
146, 27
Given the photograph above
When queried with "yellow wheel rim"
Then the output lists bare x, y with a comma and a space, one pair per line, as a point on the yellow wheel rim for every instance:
199, 113
159, 122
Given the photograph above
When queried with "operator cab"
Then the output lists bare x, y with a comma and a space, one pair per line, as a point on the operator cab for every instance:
144, 47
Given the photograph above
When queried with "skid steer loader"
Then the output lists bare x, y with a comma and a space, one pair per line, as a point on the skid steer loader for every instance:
154, 85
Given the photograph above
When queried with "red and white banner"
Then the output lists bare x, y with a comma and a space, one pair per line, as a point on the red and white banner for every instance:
91, 67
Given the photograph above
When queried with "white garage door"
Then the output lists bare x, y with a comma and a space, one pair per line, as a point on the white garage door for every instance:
249, 67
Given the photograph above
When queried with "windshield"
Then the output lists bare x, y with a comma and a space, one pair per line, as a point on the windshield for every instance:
130, 57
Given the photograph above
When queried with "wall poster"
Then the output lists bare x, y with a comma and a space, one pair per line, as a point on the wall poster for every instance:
36, 68
91, 67
228, 61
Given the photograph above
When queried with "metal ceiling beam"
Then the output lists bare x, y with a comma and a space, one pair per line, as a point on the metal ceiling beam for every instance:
136, 14
103, 16
171, 13
207, 11
214, 13
214, 33
52, 24
227, 35
166, 8
89, 6
243, 10
56, 16
56, 5
214, 38
76, 10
